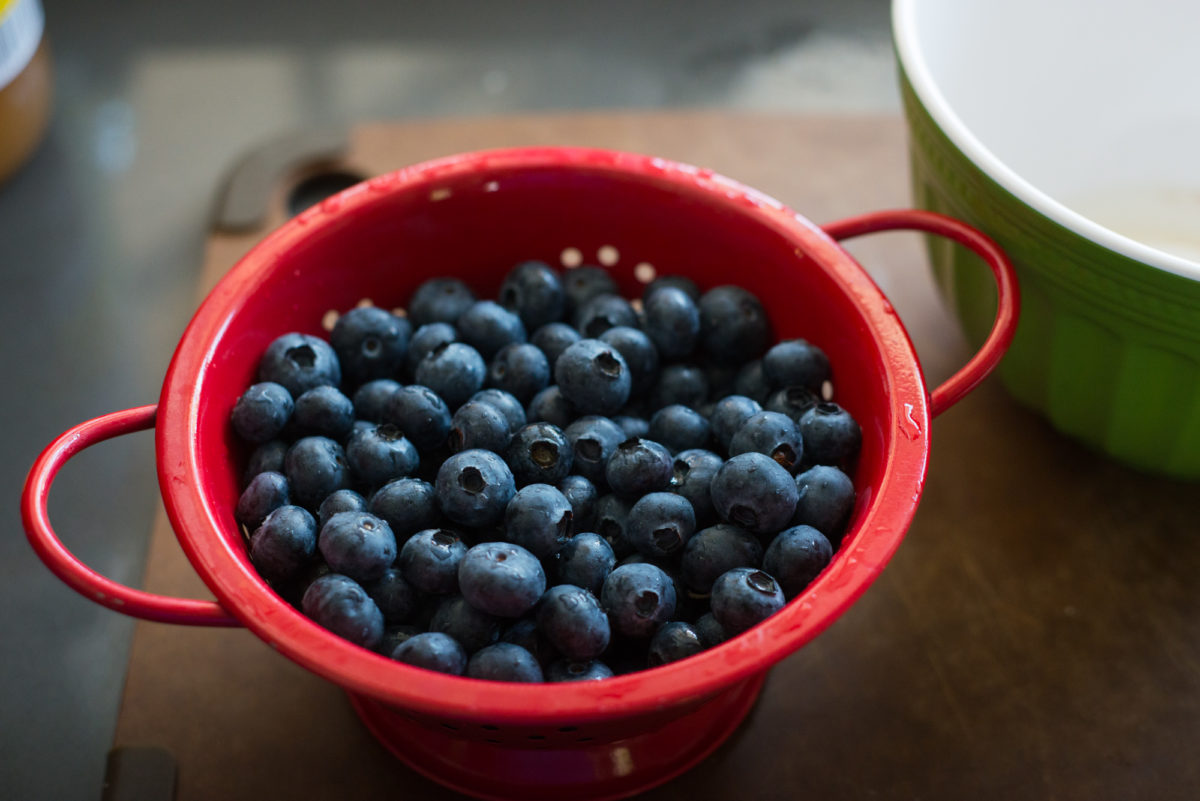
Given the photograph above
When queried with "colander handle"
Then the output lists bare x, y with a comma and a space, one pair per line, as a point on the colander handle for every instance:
66, 566
1008, 299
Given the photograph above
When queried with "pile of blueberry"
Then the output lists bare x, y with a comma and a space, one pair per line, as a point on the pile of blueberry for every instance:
556, 485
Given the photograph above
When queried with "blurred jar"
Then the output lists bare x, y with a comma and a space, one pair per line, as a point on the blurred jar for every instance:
25, 82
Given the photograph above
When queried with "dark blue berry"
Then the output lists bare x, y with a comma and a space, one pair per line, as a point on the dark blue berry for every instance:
372, 399
582, 495
524, 632
593, 376
753, 491
520, 369
344, 500
551, 406
477, 424
501, 578
395, 597
429, 560
831, 436
752, 382
680, 282
733, 324
379, 453
454, 371
433, 651
552, 339
716, 550
315, 467
593, 438
425, 340
796, 363
585, 560
672, 321
566, 670
710, 631
370, 343
509, 406
539, 454
584, 283
284, 543
792, 401
421, 415
674, 641
439, 300
299, 362
743, 597
796, 556
691, 477
660, 524
602, 312
470, 627
408, 505
826, 498
323, 411
269, 456
772, 434
474, 487
728, 415
570, 617
639, 354
535, 292
680, 428
487, 327
358, 545
638, 466
262, 412
393, 636
638, 598
633, 426
265, 493
539, 518
612, 513
341, 605
684, 384
504, 661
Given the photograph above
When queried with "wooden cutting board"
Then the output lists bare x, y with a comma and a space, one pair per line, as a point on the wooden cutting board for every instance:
1036, 636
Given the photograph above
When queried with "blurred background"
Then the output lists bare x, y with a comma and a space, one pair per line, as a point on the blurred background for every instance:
102, 231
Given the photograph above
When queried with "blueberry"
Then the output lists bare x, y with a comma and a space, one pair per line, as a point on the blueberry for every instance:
728, 415
501, 578
674, 641
433, 651
393, 636
539, 454
612, 513
471, 628
602, 312
429, 560
680, 428
504, 661
284, 543
792, 401
358, 545
341, 605
633, 426
552, 339
425, 340
269, 456
593, 376
477, 424
639, 354
672, 322
379, 453
660, 524
826, 498
772, 434
570, 617
680, 282
372, 399
753, 491
831, 436
593, 438
370, 343
262, 412
299, 362
439, 300
344, 500
582, 495
752, 382
796, 363
535, 292
721, 377
473, 488
638, 466
315, 467
408, 505
743, 597
584, 283
710, 631
716, 550
487, 327
684, 384
422, 415
796, 556
691, 477
395, 597
638, 598
551, 406
539, 518
733, 324
566, 670
509, 406
524, 632
520, 369
454, 371
585, 560
265, 493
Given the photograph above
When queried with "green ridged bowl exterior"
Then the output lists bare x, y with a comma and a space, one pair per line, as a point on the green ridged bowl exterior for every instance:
1107, 347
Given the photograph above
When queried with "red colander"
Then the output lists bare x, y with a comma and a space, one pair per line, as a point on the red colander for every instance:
473, 216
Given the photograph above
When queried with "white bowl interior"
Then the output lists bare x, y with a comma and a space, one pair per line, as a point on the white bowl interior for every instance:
1088, 111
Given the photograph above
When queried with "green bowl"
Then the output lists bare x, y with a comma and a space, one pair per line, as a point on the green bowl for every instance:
1067, 131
